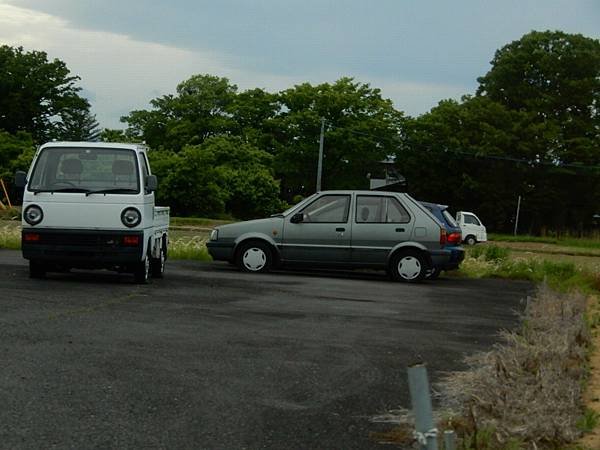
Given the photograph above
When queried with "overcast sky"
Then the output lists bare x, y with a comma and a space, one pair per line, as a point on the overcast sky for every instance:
418, 52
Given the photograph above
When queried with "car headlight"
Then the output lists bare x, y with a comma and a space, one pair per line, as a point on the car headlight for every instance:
214, 235
131, 217
33, 215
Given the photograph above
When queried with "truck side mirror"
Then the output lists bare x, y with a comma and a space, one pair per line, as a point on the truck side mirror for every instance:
20, 179
297, 218
151, 183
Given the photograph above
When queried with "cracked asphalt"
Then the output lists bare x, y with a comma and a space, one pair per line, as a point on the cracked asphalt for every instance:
212, 358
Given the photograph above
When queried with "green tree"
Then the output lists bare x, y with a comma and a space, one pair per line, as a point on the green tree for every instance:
198, 110
223, 175
362, 128
16, 153
79, 125
36, 95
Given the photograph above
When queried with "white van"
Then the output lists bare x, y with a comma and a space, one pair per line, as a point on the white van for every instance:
91, 205
472, 229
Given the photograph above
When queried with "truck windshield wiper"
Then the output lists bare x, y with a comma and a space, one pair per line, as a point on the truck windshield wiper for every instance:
112, 191
65, 189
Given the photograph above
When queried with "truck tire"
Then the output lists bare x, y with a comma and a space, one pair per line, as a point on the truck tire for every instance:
141, 271
37, 269
408, 266
157, 265
254, 257
470, 240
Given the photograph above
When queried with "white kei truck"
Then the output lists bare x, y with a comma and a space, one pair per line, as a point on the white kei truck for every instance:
90, 205
472, 229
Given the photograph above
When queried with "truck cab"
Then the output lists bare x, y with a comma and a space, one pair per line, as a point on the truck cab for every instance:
91, 205
473, 230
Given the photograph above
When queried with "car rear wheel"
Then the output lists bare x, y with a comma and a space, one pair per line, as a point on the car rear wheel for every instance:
408, 266
434, 273
255, 257
470, 240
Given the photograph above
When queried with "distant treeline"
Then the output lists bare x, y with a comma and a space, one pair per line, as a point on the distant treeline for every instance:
532, 129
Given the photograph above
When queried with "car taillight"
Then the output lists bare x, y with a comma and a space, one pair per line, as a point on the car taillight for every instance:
31, 237
443, 236
454, 238
131, 240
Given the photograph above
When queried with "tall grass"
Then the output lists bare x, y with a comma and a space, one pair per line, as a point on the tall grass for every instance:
189, 248
566, 241
491, 261
10, 237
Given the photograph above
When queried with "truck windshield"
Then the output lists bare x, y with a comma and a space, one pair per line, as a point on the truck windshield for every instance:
71, 169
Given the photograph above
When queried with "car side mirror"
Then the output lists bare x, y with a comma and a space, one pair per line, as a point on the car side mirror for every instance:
151, 183
297, 218
20, 179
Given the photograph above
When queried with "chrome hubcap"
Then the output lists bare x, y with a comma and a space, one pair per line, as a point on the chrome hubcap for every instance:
254, 259
409, 267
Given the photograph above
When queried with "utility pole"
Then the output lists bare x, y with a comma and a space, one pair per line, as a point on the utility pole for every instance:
517, 218
320, 166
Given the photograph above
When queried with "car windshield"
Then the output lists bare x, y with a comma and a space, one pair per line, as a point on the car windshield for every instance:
71, 169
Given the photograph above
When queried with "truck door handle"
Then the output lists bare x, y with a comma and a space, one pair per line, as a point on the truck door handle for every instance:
340, 230
400, 230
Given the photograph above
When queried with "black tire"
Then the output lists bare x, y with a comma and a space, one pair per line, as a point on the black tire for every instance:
470, 240
254, 257
141, 271
157, 265
37, 269
434, 273
409, 266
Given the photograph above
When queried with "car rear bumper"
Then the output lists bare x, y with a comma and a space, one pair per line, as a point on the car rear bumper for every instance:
82, 248
220, 251
448, 258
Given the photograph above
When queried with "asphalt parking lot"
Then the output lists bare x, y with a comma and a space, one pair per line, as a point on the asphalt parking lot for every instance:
212, 358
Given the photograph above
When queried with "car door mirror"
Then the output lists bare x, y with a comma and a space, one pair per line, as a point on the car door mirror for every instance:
297, 218
151, 183
20, 179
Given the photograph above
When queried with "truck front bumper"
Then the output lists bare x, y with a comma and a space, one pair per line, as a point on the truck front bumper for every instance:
82, 248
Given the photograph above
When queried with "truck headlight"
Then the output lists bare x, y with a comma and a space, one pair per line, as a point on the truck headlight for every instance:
214, 235
131, 217
33, 215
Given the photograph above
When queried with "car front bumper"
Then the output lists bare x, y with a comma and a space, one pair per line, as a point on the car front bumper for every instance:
81, 248
220, 251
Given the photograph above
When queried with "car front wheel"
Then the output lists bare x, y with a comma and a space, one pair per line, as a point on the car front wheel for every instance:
255, 257
408, 266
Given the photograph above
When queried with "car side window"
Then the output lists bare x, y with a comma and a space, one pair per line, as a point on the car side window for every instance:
380, 209
328, 209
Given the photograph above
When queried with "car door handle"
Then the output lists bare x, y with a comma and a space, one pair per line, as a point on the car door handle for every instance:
400, 230
340, 230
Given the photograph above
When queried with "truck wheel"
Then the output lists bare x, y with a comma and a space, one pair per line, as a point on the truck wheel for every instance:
141, 272
255, 257
470, 240
158, 264
36, 269
408, 266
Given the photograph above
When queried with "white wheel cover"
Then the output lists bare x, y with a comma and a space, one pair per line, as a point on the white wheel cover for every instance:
409, 267
254, 259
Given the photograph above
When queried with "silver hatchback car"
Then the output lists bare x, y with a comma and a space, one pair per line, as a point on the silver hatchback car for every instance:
341, 229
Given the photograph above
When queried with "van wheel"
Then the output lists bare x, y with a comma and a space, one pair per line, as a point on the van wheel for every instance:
408, 266
255, 257
37, 269
158, 264
470, 240
141, 272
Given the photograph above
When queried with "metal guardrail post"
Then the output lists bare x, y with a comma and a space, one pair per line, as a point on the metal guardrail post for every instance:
449, 440
420, 397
